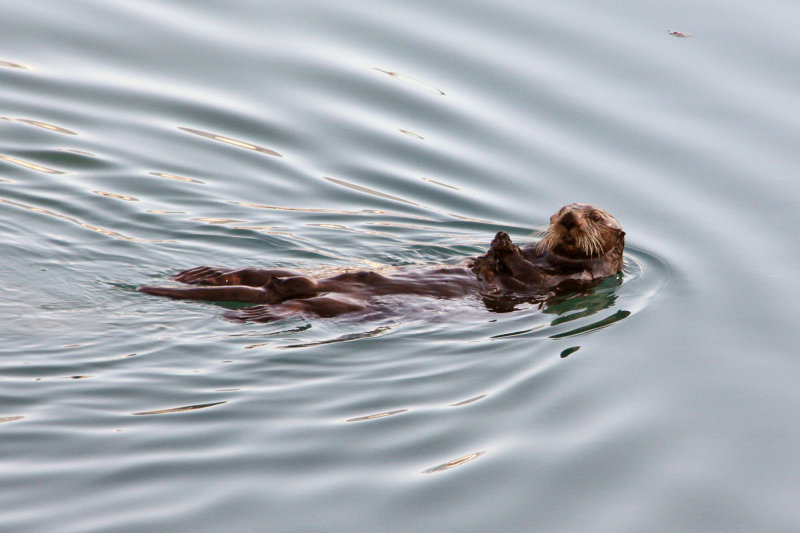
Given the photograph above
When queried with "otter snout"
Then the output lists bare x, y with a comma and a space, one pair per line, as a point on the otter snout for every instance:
569, 221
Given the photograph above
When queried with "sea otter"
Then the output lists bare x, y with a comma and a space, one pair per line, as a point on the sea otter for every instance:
582, 245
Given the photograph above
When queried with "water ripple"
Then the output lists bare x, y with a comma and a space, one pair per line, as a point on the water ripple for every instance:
468, 401
181, 409
116, 196
11, 64
98, 229
175, 177
43, 125
412, 81
30, 165
367, 190
233, 142
377, 415
454, 463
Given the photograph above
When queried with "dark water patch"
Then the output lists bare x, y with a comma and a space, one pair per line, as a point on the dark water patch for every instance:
599, 324
58, 160
569, 351
518, 333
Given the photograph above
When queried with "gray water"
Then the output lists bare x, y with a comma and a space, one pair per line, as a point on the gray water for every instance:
139, 138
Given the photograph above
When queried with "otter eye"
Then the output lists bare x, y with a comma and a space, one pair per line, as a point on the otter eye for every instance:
597, 217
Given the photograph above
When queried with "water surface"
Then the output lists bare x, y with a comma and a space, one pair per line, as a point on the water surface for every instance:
141, 138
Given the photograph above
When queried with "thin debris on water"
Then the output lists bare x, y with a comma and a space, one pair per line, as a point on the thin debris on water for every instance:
678, 33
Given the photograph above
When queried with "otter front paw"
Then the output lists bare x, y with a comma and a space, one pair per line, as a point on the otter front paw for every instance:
501, 244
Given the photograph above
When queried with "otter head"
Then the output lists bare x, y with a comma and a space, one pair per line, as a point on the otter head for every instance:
583, 232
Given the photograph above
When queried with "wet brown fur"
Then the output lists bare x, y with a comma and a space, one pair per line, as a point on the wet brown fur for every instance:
582, 245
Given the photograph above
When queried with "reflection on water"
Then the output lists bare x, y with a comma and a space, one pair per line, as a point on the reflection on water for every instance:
309, 210
73, 220
441, 184
411, 134
569, 301
384, 414
631, 289
218, 221
377, 415
469, 401
408, 79
78, 152
569, 351
367, 190
574, 306
116, 196
10, 64
376, 332
233, 142
175, 177
164, 212
616, 317
43, 125
179, 409
454, 463
29, 165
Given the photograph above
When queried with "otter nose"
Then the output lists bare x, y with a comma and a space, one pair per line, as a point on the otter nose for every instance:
569, 221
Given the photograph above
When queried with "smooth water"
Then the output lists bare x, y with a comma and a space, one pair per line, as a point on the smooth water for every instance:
139, 138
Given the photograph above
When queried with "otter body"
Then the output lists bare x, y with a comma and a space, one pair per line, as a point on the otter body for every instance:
582, 245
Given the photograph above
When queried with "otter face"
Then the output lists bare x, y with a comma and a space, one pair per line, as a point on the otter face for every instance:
582, 231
